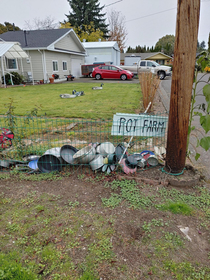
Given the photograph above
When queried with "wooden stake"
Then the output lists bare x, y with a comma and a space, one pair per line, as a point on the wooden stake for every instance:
182, 80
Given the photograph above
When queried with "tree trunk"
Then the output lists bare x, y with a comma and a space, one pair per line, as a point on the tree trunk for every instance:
182, 81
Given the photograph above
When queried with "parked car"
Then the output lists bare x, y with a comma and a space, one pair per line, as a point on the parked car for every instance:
151, 66
111, 72
88, 69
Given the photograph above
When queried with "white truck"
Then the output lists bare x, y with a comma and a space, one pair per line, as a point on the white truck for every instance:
149, 66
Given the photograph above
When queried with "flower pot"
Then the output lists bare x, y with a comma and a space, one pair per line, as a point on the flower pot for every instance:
51, 80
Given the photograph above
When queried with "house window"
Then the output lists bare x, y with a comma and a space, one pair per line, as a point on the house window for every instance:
11, 64
64, 65
55, 66
160, 61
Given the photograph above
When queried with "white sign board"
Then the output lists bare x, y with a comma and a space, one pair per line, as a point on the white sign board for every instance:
139, 125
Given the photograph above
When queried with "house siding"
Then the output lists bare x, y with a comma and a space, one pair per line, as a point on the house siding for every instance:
100, 55
37, 68
59, 57
68, 43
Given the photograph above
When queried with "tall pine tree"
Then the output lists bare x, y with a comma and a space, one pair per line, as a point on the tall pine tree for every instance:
86, 12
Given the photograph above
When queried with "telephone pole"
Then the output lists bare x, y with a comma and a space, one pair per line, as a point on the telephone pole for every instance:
188, 12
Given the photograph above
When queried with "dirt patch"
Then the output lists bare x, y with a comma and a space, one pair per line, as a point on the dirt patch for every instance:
142, 239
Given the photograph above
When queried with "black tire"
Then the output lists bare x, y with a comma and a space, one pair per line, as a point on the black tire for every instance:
161, 75
123, 77
98, 76
90, 75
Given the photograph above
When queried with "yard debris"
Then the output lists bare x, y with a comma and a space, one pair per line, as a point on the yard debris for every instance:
101, 87
6, 137
66, 95
160, 152
72, 125
185, 230
73, 95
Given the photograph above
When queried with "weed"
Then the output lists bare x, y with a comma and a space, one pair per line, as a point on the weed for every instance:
148, 227
87, 275
185, 270
12, 269
131, 193
4, 176
176, 208
173, 238
113, 201
52, 176
101, 250
73, 204
92, 203
81, 176
13, 227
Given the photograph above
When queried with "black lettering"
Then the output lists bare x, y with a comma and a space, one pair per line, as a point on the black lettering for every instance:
135, 121
122, 121
130, 120
155, 125
150, 127
161, 125
145, 125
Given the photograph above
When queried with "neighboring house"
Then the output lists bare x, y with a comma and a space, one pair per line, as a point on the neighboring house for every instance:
102, 51
159, 57
51, 51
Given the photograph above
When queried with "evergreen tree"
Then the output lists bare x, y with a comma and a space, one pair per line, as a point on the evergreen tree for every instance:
84, 12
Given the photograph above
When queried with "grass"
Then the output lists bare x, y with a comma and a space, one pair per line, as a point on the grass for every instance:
114, 98
88, 235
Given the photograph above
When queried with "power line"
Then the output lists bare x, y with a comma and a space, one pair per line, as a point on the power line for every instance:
151, 14
159, 12
113, 3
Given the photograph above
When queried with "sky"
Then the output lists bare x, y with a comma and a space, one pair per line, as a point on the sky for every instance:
146, 20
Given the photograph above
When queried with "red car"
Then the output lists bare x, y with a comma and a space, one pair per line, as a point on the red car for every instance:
111, 72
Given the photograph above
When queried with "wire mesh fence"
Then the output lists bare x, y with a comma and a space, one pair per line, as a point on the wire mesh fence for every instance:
40, 144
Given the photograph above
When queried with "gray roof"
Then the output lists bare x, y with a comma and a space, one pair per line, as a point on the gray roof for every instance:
143, 55
35, 38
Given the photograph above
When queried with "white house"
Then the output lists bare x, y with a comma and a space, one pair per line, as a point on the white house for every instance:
52, 51
102, 51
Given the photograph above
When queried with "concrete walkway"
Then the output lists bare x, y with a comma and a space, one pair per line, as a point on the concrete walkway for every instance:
203, 163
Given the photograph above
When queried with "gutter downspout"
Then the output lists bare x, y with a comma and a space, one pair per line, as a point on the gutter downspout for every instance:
45, 68
43, 65
31, 69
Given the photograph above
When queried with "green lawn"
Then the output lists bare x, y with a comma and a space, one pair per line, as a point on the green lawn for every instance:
96, 104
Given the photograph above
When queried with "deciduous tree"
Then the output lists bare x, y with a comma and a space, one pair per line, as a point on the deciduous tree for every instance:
166, 43
89, 33
117, 28
40, 24
7, 26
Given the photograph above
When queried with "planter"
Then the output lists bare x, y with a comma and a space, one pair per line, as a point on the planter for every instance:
51, 80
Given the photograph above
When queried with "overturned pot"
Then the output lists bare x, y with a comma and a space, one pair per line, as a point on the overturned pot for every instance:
67, 152
85, 155
50, 161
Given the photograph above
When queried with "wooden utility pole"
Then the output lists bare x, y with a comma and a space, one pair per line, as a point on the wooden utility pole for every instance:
188, 12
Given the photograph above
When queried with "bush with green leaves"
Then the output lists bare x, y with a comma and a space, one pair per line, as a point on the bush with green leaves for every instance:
201, 110
16, 78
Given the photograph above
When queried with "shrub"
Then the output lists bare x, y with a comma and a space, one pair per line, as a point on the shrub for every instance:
17, 78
